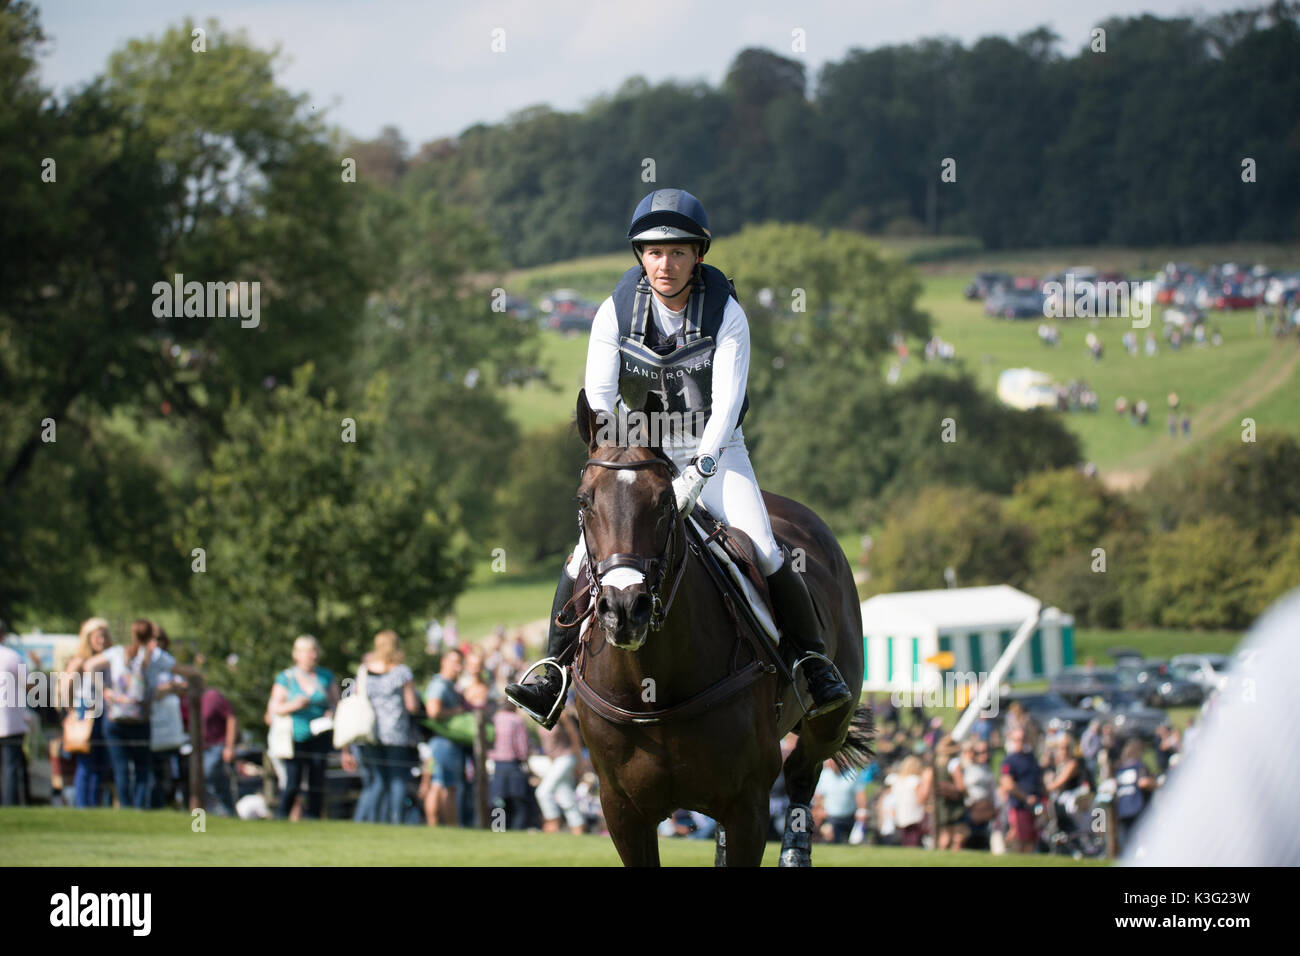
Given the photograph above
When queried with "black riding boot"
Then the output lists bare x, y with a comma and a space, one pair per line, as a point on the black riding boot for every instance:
797, 620
539, 696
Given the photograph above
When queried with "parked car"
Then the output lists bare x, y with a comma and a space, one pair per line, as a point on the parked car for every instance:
985, 283
521, 309
1023, 304
1049, 710
567, 311
569, 321
1208, 670
1281, 288
1235, 295
1125, 711
1155, 682
1076, 683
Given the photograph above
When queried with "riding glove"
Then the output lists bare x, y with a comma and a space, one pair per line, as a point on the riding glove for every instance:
687, 486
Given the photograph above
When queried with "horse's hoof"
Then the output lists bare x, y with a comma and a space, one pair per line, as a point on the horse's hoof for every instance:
795, 857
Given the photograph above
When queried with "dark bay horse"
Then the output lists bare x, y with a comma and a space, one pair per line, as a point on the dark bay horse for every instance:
662, 647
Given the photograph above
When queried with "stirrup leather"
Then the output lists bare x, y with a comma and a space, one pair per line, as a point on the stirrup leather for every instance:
549, 720
794, 675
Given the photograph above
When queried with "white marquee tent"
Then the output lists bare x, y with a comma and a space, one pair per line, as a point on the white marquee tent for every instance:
901, 630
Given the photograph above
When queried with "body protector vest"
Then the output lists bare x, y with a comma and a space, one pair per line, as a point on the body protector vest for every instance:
680, 370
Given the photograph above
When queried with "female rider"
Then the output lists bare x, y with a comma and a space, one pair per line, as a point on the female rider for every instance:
673, 318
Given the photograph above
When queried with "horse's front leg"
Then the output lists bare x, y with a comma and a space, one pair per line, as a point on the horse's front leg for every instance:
746, 826
634, 836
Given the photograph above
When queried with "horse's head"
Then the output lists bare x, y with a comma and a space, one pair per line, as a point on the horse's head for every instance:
633, 533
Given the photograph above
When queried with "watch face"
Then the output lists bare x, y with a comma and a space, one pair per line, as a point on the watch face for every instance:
706, 465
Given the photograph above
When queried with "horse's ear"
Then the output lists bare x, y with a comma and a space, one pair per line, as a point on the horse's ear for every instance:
588, 426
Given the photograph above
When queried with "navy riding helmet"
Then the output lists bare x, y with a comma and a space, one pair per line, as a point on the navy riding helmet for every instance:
668, 214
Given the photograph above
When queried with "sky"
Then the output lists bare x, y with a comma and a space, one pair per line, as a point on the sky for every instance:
428, 67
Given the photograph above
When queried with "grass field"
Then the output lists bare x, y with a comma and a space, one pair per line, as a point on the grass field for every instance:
1249, 375
63, 837
1153, 642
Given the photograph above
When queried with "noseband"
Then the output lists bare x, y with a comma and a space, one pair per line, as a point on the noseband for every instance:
653, 570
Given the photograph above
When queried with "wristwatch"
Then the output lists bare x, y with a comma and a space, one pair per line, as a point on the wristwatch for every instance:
706, 465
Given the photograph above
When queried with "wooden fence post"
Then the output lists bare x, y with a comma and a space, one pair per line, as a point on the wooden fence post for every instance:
480, 770
197, 784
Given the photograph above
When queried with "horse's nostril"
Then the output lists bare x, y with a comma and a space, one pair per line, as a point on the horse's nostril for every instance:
603, 607
641, 607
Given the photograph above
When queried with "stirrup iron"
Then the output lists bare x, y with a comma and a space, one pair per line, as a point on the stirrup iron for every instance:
794, 678
549, 720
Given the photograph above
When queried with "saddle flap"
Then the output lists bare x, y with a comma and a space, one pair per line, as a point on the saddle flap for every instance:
733, 549
740, 548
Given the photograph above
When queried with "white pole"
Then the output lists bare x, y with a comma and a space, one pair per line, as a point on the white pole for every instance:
989, 687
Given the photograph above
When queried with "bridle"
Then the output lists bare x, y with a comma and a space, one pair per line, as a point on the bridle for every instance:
655, 571
658, 567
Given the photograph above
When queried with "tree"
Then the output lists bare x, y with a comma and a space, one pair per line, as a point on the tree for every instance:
850, 445
817, 298
1203, 574
1098, 595
255, 192
1251, 483
941, 527
1068, 511
382, 160
535, 505
306, 531
1281, 569
172, 163
444, 344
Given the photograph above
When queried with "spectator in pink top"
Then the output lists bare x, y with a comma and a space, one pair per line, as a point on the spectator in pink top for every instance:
509, 753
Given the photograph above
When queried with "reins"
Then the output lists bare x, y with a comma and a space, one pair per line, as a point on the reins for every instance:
728, 686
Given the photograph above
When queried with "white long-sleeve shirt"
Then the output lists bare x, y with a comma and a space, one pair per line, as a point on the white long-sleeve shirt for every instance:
730, 368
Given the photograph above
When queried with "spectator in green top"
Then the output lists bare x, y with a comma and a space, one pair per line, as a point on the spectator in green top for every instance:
308, 693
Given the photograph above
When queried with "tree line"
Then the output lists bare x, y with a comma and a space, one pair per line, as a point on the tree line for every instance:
1135, 135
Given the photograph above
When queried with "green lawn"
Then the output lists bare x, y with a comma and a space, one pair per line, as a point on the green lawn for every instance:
1152, 642
1217, 386
509, 599
1250, 374
543, 404
35, 836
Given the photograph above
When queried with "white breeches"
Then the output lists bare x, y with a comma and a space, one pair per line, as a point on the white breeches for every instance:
732, 495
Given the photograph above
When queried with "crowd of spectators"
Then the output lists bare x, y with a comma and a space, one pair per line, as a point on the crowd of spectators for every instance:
1009, 784
128, 745
123, 724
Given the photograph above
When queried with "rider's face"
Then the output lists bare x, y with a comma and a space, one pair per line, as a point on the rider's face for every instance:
669, 266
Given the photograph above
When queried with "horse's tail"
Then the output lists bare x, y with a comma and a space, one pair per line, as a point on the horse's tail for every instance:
856, 751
